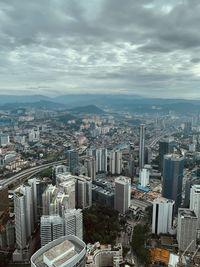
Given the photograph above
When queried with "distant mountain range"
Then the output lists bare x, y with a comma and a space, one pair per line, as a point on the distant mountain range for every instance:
90, 103
91, 109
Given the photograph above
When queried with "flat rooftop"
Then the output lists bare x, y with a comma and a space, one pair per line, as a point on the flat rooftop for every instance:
54, 252
187, 213
163, 200
58, 254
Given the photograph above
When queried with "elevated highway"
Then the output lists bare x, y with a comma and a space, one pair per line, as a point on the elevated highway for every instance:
27, 173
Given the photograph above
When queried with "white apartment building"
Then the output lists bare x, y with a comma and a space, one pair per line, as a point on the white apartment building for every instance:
162, 217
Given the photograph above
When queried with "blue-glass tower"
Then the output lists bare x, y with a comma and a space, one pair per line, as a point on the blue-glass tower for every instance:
173, 178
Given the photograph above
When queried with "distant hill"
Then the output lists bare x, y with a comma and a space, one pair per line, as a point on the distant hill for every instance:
90, 109
90, 103
4, 99
42, 104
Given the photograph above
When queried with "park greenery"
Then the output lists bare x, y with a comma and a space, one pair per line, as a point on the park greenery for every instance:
140, 236
100, 224
45, 173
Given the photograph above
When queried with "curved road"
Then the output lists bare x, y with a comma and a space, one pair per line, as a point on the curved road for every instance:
28, 172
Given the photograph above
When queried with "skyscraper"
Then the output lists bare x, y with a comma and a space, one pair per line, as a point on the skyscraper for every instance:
162, 217
83, 192
33, 184
20, 220
195, 201
101, 160
25, 212
115, 162
131, 166
47, 197
73, 219
122, 193
90, 164
142, 146
73, 160
144, 177
173, 178
187, 230
51, 228
165, 147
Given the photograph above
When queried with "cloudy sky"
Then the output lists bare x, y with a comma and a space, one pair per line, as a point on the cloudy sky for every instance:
54, 47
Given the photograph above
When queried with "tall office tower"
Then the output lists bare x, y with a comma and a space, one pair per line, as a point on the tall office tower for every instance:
187, 230
144, 177
116, 162
4, 139
26, 190
90, 164
4, 203
56, 199
51, 228
83, 192
147, 155
32, 182
101, 160
73, 160
47, 197
142, 146
173, 178
188, 185
20, 220
122, 194
165, 147
162, 217
73, 219
68, 187
195, 201
131, 166
24, 208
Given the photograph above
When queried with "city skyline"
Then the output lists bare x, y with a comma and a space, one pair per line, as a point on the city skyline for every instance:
147, 48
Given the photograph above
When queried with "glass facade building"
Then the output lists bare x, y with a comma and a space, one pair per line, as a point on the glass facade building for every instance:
173, 178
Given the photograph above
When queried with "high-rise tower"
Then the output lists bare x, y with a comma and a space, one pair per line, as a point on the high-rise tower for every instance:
165, 147
122, 193
162, 217
195, 201
142, 146
173, 178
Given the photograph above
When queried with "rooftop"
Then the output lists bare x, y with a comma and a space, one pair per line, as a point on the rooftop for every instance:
175, 157
163, 200
187, 213
59, 252
122, 180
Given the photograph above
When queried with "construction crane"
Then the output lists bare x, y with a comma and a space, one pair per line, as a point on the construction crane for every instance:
192, 258
180, 260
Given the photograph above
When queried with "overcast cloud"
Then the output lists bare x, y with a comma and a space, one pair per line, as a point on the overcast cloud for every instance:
145, 47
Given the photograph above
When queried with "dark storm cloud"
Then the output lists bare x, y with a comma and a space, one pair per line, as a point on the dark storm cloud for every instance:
113, 44
195, 60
